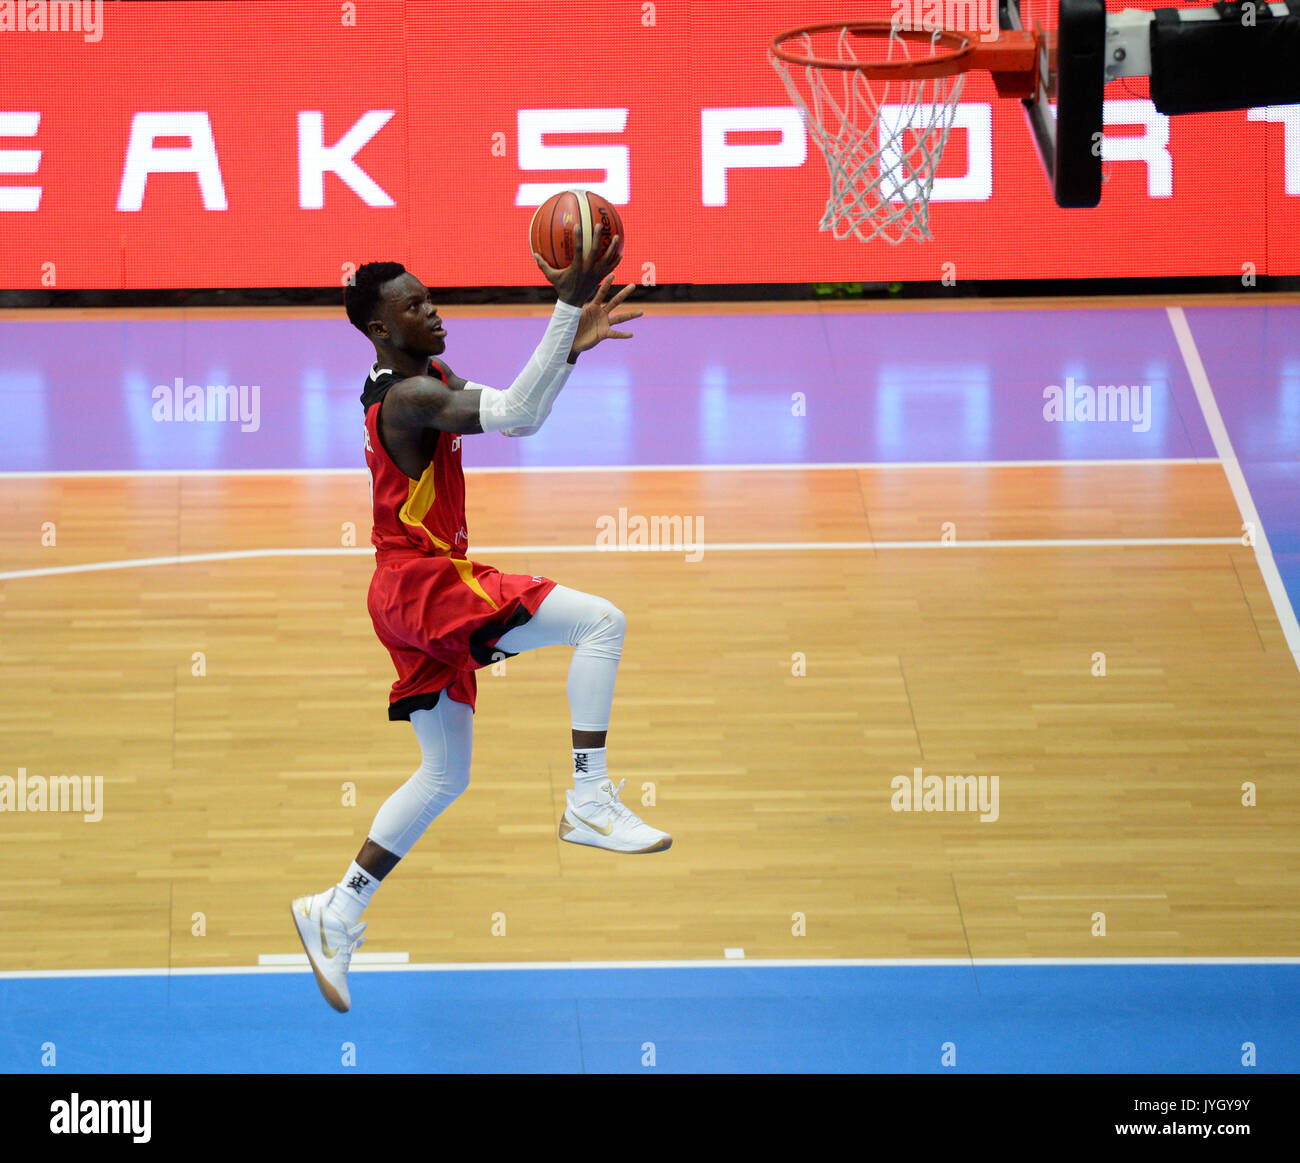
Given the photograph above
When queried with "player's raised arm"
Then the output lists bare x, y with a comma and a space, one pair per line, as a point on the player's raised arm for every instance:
581, 319
422, 402
596, 325
524, 407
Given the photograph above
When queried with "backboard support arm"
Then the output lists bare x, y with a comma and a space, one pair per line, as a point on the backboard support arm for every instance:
1068, 137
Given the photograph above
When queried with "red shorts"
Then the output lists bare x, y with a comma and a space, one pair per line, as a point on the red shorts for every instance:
440, 617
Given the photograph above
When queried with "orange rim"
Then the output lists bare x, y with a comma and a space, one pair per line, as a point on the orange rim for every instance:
1012, 57
961, 46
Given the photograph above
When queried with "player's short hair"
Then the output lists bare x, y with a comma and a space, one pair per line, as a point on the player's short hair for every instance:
361, 295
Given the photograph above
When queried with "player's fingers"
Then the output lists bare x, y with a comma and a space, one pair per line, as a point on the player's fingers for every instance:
623, 294
612, 255
549, 271
625, 316
620, 335
578, 250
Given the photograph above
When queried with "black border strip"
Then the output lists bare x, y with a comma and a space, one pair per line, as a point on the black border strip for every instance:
669, 293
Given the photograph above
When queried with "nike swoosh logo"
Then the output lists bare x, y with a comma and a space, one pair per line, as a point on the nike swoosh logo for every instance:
324, 945
605, 831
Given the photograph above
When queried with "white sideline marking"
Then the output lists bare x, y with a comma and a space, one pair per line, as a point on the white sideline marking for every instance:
1236, 479
359, 473
299, 960
484, 551
826, 963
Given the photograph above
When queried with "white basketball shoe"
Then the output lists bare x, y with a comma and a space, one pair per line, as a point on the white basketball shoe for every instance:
329, 944
606, 823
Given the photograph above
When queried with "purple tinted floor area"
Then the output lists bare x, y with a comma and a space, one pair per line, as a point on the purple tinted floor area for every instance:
693, 390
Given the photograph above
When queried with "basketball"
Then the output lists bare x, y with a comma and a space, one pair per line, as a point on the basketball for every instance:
551, 232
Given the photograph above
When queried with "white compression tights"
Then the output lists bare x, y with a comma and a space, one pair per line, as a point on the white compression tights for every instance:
591, 625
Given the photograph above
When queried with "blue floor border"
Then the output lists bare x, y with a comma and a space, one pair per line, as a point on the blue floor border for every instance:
745, 1018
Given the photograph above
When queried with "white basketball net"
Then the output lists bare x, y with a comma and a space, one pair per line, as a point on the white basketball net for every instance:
882, 140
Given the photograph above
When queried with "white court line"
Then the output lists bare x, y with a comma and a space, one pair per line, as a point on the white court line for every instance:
299, 960
484, 551
775, 963
1236, 479
613, 468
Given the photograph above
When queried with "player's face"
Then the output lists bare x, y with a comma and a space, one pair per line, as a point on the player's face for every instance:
407, 312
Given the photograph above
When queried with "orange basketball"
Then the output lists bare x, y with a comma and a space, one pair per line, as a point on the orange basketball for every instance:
551, 232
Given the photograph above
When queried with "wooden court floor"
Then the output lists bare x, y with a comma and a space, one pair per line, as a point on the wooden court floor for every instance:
767, 698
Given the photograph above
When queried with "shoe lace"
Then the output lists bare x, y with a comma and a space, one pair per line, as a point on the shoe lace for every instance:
617, 806
352, 941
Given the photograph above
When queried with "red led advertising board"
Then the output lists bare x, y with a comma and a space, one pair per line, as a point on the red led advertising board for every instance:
260, 144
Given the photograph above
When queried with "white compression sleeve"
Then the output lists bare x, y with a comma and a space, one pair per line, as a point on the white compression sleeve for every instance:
558, 380
595, 628
522, 404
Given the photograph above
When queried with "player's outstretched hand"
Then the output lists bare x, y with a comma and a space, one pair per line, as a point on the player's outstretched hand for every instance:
581, 279
599, 318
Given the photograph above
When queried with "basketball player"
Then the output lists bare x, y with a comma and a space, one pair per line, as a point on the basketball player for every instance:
442, 616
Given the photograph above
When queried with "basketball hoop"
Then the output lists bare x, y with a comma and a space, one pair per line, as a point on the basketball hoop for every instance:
881, 110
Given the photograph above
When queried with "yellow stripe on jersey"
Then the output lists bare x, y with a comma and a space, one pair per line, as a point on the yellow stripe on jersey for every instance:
466, 571
419, 500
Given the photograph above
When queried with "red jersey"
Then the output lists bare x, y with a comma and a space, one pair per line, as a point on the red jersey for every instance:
425, 516
438, 613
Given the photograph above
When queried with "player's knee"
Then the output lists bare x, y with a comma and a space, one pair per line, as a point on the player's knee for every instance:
442, 783
600, 631
603, 636
612, 622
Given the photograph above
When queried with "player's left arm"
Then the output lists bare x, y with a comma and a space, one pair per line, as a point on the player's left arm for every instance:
597, 322
599, 318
